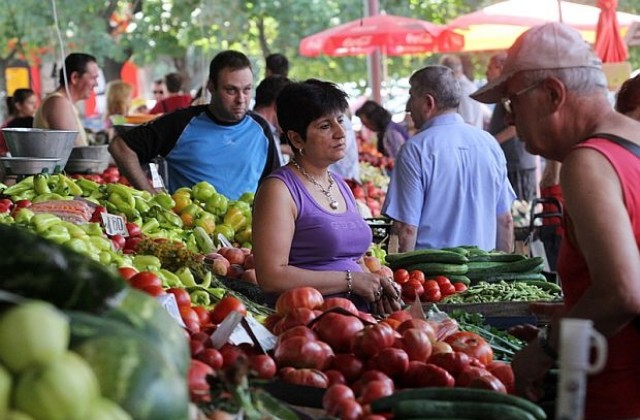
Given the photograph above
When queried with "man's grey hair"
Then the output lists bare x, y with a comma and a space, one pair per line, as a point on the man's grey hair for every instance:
578, 80
439, 82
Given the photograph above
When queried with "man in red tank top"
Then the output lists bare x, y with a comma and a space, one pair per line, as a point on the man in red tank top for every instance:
555, 93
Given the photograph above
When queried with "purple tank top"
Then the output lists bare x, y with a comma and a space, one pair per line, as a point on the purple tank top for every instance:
325, 241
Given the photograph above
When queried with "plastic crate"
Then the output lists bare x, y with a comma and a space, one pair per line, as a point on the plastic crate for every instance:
381, 230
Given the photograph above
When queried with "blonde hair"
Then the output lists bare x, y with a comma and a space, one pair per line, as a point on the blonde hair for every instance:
118, 96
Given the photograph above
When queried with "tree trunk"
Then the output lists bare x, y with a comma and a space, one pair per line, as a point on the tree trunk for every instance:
181, 67
111, 69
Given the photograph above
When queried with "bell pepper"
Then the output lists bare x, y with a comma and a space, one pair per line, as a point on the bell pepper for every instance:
200, 298
206, 221
56, 233
192, 244
203, 240
43, 221
146, 263
78, 245
74, 230
243, 206
100, 243
244, 235
168, 218
164, 200
186, 277
141, 205
235, 218
105, 257
206, 281
217, 204
40, 184
190, 213
23, 216
217, 292
169, 279
182, 200
225, 230
92, 229
247, 197
150, 225
202, 191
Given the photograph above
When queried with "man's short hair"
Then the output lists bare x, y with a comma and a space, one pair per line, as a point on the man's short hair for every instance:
453, 62
173, 81
268, 90
628, 97
277, 64
228, 59
439, 82
75, 62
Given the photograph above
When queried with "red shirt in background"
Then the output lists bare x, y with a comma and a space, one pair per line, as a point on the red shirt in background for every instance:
171, 104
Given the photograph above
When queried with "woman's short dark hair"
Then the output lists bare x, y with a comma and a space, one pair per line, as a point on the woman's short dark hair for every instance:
75, 62
376, 114
233, 60
628, 97
19, 97
303, 102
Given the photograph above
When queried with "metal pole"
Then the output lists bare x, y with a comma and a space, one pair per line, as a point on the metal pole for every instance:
560, 10
374, 59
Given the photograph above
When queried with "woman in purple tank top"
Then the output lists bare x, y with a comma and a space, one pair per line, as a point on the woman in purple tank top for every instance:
307, 229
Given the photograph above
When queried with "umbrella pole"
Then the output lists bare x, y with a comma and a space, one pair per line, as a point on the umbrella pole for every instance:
559, 10
374, 59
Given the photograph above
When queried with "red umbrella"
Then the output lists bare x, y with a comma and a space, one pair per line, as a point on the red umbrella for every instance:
394, 35
609, 44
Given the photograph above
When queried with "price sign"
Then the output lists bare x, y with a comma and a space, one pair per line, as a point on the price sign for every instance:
226, 329
168, 302
156, 179
114, 224
260, 333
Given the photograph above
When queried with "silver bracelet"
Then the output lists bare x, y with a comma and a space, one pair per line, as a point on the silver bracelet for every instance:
349, 283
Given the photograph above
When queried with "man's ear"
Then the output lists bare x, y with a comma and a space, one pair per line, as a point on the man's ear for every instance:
211, 86
556, 90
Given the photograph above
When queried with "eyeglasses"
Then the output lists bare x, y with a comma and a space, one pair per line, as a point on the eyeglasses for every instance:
508, 101
158, 92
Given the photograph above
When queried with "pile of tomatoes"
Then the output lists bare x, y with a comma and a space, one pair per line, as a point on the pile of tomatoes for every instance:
416, 286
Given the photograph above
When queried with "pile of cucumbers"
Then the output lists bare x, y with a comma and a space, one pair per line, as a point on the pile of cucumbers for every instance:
466, 403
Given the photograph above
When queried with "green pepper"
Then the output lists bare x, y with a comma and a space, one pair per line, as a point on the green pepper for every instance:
141, 205
247, 197
101, 243
23, 216
217, 204
202, 191
78, 245
74, 230
56, 233
2, 187
47, 197
88, 186
206, 221
40, 184
92, 229
164, 200
74, 189
150, 225
192, 244
206, 281
243, 206
146, 262
203, 240
226, 231
186, 277
235, 218
105, 257
21, 187
43, 221
217, 292
200, 298
169, 279
244, 235
169, 219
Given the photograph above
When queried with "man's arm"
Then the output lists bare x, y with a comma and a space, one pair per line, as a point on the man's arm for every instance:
406, 234
129, 165
504, 232
506, 134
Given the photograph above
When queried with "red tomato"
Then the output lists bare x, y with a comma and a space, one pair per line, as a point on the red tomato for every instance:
197, 379
190, 318
300, 352
211, 357
504, 372
226, 305
154, 290
400, 315
471, 344
374, 390
334, 395
460, 287
131, 244
202, 336
118, 241
416, 275
417, 344
349, 410
464, 378
393, 323
203, 314
230, 354
431, 284
308, 377
370, 376
335, 377
447, 289
371, 339
297, 317
431, 295
489, 382
442, 280
338, 302
145, 279
411, 290
183, 299
420, 324
196, 347
347, 364
455, 362
127, 272
300, 297
133, 229
401, 276
337, 330
436, 376
392, 361
302, 330
271, 321
263, 366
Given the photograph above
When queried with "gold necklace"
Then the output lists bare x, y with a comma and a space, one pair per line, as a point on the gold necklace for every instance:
327, 192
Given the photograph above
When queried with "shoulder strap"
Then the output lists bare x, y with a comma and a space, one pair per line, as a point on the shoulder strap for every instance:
630, 146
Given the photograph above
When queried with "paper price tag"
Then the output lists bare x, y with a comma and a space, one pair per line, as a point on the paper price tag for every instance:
114, 224
226, 329
168, 302
156, 179
261, 334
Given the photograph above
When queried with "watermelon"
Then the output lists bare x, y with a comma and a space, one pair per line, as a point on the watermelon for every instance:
131, 370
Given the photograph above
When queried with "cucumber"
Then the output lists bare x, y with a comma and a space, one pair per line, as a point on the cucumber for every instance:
488, 269
385, 404
459, 278
37, 268
466, 409
497, 257
439, 269
405, 259
458, 250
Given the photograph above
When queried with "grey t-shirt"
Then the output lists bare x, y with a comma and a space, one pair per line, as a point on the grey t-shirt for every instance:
517, 157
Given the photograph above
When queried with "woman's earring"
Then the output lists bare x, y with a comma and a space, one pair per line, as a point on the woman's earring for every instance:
301, 150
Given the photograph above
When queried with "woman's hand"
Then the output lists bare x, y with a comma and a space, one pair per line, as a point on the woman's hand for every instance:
381, 292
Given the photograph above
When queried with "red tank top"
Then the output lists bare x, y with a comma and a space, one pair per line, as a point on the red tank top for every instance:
615, 392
